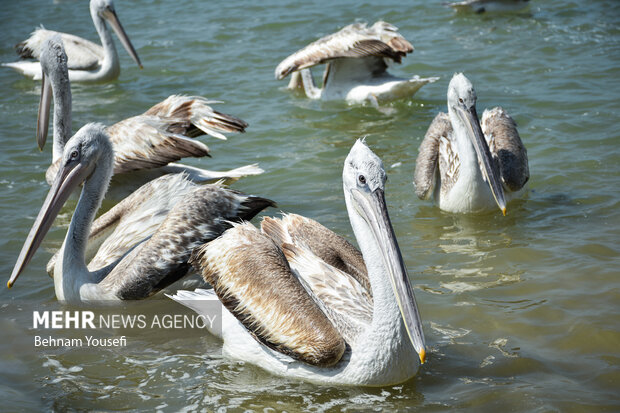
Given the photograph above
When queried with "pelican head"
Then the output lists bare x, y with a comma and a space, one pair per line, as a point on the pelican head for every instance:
364, 183
104, 9
89, 147
462, 110
55, 72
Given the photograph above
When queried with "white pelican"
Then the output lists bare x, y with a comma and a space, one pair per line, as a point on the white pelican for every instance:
357, 59
466, 167
88, 62
152, 233
161, 135
481, 6
300, 301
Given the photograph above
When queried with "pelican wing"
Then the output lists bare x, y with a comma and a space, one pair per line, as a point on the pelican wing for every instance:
142, 142
346, 303
202, 215
82, 54
136, 218
356, 40
132, 220
193, 117
426, 168
321, 241
253, 280
162, 134
500, 131
145, 142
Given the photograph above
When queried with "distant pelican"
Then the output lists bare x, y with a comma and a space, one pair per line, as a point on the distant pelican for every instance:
357, 59
161, 135
481, 6
152, 234
300, 301
466, 167
88, 62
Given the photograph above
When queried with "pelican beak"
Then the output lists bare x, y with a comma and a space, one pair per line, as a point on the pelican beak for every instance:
469, 117
111, 16
373, 210
69, 176
43, 117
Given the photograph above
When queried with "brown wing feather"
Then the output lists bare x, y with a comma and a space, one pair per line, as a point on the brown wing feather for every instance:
425, 175
501, 133
162, 134
116, 231
252, 278
202, 215
343, 300
355, 40
143, 142
323, 242
193, 116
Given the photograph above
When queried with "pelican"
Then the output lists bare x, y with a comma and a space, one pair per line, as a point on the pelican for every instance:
135, 261
161, 135
300, 301
357, 59
466, 166
88, 62
481, 6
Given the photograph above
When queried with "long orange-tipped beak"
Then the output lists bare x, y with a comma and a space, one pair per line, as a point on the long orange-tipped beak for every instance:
372, 208
491, 175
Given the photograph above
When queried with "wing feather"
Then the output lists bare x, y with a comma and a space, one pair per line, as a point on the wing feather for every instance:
192, 116
201, 216
144, 142
355, 40
426, 168
82, 54
500, 131
347, 304
163, 134
321, 241
252, 278
131, 221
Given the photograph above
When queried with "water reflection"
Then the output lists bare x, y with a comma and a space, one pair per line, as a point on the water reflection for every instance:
473, 250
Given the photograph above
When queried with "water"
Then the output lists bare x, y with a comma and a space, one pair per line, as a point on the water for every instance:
520, 312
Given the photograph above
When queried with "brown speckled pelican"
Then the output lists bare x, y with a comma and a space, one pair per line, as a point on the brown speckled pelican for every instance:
88, 62
302, 302
151, 141
466, 166
152, 234
481, 6
357, 59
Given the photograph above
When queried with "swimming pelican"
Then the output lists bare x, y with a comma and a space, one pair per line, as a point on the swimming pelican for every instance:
466, 167
301, 301
152, 234
88, 62
357, 59
161, 135
481, 6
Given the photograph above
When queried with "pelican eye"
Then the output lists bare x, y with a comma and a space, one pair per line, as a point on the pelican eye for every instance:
74, 154
461, 100
362, 179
